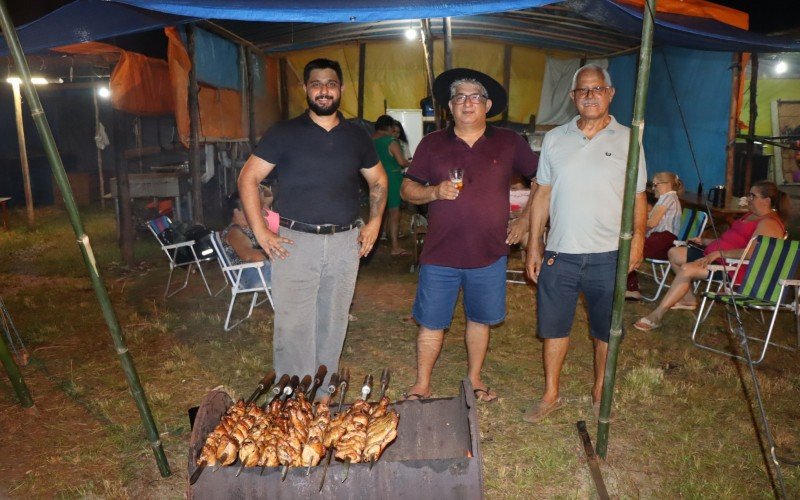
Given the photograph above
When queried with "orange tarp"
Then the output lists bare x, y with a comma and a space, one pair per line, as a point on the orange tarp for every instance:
220, 109
138, 84
698, 8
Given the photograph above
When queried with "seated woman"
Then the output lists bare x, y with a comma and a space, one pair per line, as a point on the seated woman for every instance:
663, 224
240, 245
763, 219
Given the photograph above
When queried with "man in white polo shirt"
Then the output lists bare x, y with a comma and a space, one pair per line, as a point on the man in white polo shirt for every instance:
581, 181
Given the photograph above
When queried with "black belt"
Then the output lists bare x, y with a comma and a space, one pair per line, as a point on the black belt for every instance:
317, 228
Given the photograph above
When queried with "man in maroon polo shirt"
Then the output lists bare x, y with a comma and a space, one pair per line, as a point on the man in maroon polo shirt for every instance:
466, 247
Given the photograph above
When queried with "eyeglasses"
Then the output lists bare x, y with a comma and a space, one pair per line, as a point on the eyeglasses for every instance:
473, 98
585, 92
318, 85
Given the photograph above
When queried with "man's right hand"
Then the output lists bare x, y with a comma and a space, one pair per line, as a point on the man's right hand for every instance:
271, 243
533, 262
445, 191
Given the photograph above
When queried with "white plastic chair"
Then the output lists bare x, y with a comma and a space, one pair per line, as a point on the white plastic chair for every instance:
234, 274
693, 223
187, 258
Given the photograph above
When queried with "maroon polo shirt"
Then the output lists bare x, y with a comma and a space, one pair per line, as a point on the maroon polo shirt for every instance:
470, 231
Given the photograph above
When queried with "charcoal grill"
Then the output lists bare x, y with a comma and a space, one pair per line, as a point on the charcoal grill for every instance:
436, 455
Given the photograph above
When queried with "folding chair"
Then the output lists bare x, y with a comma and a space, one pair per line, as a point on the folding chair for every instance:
234, 274
772, 263
180, 254
693, 223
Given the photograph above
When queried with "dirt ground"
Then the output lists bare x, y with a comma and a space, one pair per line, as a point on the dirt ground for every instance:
684, 422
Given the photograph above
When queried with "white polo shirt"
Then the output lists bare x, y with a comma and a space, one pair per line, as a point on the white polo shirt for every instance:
587, 180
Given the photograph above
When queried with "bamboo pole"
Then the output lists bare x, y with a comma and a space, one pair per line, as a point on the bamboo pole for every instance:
126, 360
448, 44
23, 153
14, 375
751, 131
733, 118
99, 151
362, 71
634, 145
427, 47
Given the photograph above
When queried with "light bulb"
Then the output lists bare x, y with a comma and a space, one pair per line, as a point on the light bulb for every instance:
104, 92
411, 34
781, 67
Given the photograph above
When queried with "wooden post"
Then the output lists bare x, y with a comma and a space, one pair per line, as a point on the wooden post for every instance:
124, 205
194, 133
251, 106
23, 153
506, 75
732, 122
751, 131
362, 64
427, 47
448, 44
283, 90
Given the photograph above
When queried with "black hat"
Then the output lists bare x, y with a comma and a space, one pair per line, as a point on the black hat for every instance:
441, 88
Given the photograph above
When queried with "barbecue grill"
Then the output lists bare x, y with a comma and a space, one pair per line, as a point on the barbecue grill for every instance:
436, 455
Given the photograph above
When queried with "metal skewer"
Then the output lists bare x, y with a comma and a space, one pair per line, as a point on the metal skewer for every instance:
262, 387
333, 384
385, 377
318, 379
277, 390
300, 389
344, 382
366, 390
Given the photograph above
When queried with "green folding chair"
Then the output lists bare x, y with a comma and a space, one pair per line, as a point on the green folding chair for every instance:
693, 223
765, 287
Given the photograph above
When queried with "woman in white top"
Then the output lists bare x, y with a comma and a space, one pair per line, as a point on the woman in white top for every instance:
663, 224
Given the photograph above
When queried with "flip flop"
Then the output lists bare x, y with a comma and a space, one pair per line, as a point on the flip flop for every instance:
646, 325
485, 395
413, 396
688, 307
541, 410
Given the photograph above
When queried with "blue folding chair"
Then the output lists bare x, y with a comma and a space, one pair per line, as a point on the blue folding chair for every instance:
181, 254
693, 223
770, 270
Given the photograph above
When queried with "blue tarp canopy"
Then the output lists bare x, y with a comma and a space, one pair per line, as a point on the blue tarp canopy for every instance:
88, 20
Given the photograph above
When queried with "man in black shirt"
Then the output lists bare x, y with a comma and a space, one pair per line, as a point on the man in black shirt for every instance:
317, 159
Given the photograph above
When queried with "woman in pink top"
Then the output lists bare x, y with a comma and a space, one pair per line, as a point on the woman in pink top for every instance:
763, 219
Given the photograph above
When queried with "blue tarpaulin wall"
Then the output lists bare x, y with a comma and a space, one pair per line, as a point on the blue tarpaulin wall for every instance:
702, 82
216, 60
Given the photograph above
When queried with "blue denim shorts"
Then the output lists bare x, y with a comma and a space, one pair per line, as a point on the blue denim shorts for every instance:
484, 294
251, 278
563, 279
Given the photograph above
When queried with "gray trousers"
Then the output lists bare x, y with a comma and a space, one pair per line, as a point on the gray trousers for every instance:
312, 289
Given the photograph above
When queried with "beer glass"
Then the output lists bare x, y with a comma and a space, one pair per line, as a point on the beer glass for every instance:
457, 177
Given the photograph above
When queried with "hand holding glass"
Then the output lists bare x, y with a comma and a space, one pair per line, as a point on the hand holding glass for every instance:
457, 177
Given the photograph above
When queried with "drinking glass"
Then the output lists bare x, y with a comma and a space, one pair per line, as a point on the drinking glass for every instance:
457, 177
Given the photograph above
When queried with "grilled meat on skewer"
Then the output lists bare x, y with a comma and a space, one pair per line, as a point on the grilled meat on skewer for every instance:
381, 432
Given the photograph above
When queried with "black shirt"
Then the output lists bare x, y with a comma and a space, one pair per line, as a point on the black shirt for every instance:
318, 171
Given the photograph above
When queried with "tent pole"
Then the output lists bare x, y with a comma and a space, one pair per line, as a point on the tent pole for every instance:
732, 123
448, 44
362, 64
126, 360
506, 75
427, 47
194, 132
751, 131
99, 151
631, 174
23, 153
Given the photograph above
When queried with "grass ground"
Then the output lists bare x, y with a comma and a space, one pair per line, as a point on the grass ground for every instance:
683, 422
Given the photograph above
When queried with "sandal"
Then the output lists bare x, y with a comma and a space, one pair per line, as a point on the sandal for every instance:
413, 396
541, 410
646, 325
485, 395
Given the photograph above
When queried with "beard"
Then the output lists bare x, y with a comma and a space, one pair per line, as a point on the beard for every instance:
320, 110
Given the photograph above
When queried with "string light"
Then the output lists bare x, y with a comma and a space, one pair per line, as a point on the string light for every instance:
781, 67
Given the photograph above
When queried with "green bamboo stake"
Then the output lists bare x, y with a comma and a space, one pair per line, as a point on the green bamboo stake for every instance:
83, 239
626, 233
14, 375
